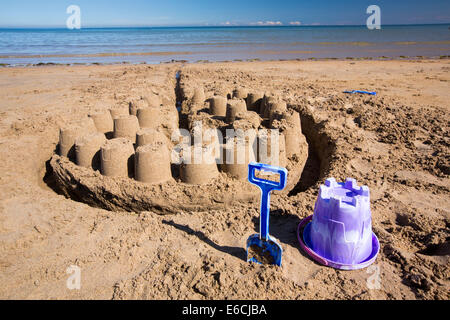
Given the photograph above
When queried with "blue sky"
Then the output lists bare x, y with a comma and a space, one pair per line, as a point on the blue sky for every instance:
45, 13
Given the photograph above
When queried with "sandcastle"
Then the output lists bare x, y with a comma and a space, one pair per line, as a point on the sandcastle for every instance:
119, 111
234, 107
126, 127
69, 133
87, 149
152, 162
103, 121
218, 106
135, 149
254, 100
117, 158
200, 167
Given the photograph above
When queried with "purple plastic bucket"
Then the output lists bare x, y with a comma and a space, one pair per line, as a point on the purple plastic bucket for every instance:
340, 233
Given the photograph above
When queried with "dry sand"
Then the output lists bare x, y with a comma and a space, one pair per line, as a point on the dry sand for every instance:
397, 143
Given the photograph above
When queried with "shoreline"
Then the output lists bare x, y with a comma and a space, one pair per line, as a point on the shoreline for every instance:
171, 61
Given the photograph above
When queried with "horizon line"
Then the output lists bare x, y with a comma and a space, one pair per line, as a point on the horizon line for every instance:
218, 26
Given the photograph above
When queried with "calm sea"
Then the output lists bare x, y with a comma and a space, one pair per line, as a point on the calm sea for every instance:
155, 45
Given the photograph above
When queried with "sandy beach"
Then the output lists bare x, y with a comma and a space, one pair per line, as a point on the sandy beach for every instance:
396, 143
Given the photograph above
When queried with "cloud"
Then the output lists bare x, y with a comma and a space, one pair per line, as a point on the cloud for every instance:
267, 23
228, 23
295, 23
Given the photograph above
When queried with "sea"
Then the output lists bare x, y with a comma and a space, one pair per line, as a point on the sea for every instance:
23, 47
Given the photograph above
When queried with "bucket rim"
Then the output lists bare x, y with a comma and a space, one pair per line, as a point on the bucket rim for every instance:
327, 262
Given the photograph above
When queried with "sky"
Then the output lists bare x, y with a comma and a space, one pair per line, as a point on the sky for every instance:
114, 13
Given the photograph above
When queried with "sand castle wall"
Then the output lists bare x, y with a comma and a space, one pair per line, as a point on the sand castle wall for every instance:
247, 120
152, 99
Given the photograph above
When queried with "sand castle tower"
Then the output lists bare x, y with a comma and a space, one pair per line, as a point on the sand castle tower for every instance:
240, 93
290, 125
103, 121
149, 136
119, 111
69, 133
126, 127
274, 108
136, 104
223, 91
266, 105
152, 162
254, 101
87, 150
238, 152
117, 158
149, 117
162, 118
199, 96
199, 166
235, 107
218, 106
271, 148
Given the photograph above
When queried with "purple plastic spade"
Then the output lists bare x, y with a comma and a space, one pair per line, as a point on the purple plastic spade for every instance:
340, 233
